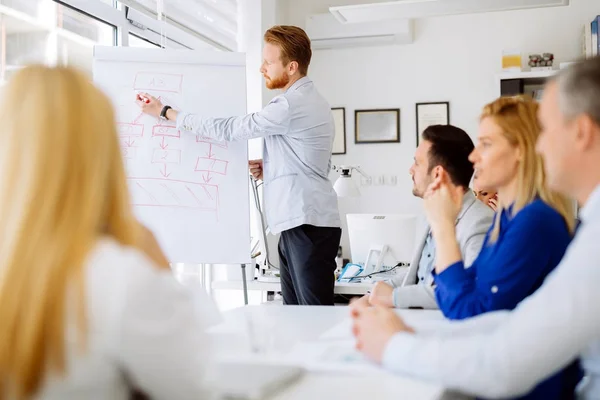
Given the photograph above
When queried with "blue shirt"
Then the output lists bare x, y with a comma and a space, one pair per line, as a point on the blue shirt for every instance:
298, 132
529, 245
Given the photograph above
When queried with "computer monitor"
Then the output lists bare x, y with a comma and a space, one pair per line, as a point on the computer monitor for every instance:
374, 231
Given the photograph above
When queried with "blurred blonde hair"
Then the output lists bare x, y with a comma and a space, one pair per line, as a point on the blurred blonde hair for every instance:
517, 117
62, 187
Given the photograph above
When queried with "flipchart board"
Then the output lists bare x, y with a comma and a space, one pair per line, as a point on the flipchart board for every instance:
192, 192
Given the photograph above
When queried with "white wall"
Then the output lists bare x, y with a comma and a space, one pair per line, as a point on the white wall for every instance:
453, 58
254, 18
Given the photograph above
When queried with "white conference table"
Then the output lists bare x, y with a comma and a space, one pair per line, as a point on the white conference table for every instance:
292, 325
345, 288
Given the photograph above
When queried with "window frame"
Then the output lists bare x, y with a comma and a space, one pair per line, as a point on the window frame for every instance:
143, 39
177, 38
87, 14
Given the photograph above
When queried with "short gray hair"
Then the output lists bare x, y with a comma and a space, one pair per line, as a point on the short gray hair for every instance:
579, 89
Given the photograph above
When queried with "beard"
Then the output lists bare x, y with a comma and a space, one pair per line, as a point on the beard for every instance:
415, 190
419, 190
417, 193
278, 82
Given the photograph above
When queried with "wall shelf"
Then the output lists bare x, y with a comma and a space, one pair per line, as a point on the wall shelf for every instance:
526, 75
522, 82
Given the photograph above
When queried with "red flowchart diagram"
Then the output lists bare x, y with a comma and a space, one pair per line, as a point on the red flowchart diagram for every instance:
157, 144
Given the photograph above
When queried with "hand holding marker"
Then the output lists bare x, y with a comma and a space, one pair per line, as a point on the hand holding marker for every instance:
142, 98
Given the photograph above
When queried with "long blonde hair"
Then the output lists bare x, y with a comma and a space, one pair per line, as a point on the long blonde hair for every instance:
62, 186
517, 117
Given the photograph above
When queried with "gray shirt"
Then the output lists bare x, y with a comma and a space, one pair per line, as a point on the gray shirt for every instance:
298, 132
424, 275
473, 222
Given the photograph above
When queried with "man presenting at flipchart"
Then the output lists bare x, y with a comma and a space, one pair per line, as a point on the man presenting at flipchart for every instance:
298, 132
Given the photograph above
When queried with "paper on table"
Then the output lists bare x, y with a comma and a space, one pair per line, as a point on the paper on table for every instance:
342, 330
331, 356
417, 318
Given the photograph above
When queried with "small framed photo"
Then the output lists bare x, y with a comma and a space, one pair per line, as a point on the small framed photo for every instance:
377, 126
339, 122
431, 114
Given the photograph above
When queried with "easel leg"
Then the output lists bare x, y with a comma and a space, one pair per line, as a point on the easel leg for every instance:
245, 284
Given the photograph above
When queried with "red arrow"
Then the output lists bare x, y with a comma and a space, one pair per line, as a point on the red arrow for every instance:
164, 172
129, 142
210, 153
206, 178
135, 121
163, 145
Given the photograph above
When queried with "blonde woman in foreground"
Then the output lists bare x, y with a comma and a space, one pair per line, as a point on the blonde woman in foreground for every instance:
88, 306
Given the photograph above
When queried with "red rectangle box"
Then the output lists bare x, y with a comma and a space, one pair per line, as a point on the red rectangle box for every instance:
166, 156
157, 81
129, 129
211, 165
162, 130
152, 192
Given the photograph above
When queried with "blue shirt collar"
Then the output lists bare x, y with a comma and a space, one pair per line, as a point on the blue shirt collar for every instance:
506, 215
508, 210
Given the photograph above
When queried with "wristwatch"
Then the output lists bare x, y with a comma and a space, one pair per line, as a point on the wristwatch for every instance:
163, 113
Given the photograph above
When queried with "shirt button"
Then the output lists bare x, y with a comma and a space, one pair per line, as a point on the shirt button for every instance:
422, 279
494, 289
428, 255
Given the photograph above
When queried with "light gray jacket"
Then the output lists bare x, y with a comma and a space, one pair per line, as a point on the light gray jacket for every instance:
472, 224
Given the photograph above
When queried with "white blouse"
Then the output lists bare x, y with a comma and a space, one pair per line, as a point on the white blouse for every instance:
145, 330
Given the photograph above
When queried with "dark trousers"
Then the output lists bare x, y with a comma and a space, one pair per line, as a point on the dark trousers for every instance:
307, 261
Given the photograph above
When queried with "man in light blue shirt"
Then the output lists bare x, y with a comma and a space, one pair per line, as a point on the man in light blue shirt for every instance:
298, 131
426, 263
506, 354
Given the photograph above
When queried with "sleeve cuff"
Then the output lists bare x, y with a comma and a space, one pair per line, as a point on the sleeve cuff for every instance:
452, 276
397, 353
179, 122
396, 297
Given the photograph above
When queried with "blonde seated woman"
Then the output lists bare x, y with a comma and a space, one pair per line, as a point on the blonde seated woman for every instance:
88, 306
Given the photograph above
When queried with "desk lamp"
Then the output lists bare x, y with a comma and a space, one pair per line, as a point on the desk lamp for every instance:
344, 186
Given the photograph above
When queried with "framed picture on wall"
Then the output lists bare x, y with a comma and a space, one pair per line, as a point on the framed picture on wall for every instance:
431, 114
339, 122
377, 126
